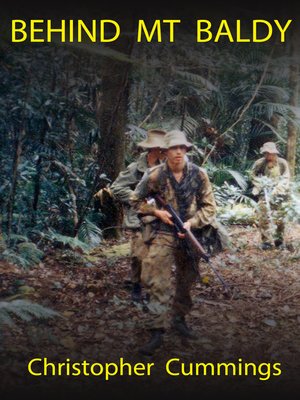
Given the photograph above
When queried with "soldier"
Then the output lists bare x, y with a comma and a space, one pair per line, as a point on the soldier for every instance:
187, 188
123, 187
270, 176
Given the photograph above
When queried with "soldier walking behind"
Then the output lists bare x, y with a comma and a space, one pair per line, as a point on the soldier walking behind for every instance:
270, 176
123, 187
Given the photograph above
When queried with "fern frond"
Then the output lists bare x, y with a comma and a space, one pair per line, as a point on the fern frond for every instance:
73, 242
12, 257
24, 310
19, 238
30, 252
5, 318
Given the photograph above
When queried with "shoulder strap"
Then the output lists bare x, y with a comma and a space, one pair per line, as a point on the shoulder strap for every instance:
162, 178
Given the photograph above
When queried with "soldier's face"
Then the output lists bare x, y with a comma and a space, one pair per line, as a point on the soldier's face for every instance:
270, 157
175, 154
155, 152
163, 154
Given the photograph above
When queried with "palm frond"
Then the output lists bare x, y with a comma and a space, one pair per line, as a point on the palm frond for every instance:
273, 129
90, 233
268, 92
196, 80
269, 109
189, 125
221, 174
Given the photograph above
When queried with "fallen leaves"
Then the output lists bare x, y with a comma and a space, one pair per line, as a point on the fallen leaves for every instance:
260, 322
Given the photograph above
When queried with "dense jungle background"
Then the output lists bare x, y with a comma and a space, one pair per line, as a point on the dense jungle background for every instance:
71, 116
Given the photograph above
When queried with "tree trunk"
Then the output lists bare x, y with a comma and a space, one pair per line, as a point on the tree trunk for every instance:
14, 181
74, 208
112, 118
292, 128
39, 168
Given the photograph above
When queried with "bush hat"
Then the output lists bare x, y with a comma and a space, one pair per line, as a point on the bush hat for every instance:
176, 138
155, 138
269, 147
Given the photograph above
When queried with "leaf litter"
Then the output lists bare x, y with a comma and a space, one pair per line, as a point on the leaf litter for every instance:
100, 323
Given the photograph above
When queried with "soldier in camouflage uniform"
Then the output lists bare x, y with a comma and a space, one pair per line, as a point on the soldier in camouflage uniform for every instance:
271, 181
187, 188
123, 187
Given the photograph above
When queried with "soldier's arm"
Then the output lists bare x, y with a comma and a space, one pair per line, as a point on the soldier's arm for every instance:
286, 175
139, 197
122, 188
207, 210
142, 202
283, 184
255, 178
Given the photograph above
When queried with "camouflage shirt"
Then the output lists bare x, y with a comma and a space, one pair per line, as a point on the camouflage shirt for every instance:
278, 173
192, 197
124, 185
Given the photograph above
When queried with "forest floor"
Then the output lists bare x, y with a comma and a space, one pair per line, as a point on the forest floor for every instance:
98, 322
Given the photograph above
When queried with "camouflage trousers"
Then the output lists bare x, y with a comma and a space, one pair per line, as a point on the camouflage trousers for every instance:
164, 254
138, 251
271, 228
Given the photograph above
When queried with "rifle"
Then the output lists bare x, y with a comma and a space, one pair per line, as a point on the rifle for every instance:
190, 238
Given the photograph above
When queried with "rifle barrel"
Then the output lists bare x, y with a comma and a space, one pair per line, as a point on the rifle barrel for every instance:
191, 237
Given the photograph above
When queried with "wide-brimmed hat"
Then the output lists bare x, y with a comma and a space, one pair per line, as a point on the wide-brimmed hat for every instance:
269, 147
176, 138
155, 138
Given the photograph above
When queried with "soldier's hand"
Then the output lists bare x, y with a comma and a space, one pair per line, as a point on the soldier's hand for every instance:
187, 226
98, 194
101, 193
165, 216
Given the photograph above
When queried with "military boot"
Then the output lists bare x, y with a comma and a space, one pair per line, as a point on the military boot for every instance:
136, 293
266, 246
154, 343
279, 244
181, 327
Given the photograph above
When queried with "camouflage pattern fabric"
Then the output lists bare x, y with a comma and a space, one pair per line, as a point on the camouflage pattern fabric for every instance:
200, 207
271, 183
166, 249
164, 253
124, 185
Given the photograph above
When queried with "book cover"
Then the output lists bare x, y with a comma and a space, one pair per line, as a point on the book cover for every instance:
81, 85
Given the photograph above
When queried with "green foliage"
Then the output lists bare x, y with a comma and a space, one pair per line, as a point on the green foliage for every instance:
220, 175
52, 95
292, 206
237, 214
30, 252
25, 253
228, 194
234, 206
58, 166
90, 233
67, 241
24, 310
